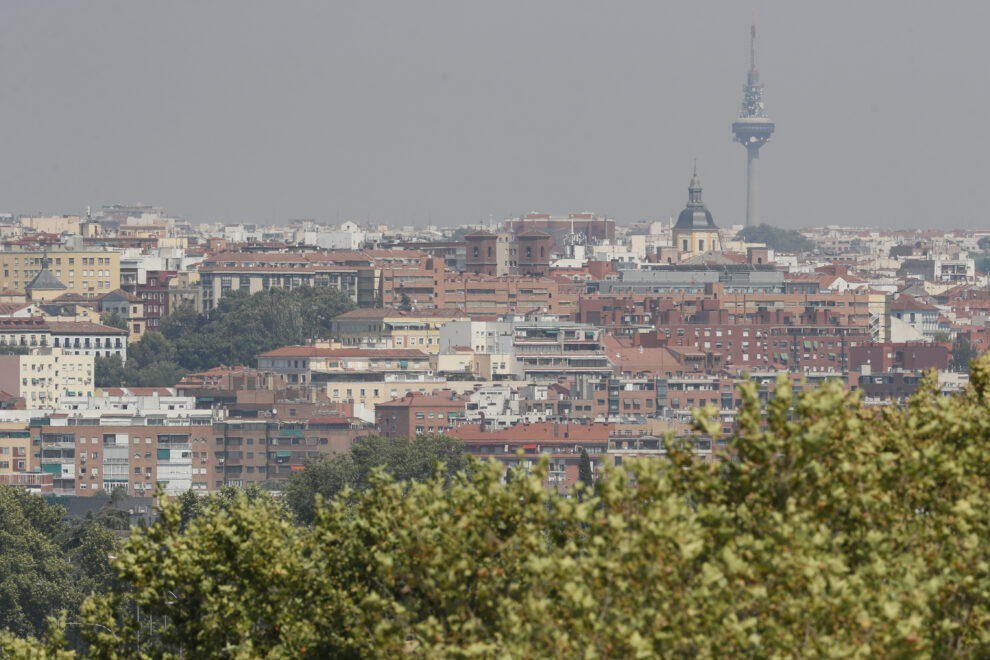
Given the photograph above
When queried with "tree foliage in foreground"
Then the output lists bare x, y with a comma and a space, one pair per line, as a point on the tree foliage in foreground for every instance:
405, 460
48, 564
781, 240
840, 531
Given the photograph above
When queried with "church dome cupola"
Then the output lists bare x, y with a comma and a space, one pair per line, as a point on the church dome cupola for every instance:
695, 215
695, 231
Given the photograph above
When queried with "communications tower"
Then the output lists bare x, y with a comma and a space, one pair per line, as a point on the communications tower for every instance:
752, 130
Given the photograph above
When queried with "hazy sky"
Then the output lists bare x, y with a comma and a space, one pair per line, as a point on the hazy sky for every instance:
451, 112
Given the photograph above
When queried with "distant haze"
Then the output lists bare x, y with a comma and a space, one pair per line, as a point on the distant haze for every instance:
452, 112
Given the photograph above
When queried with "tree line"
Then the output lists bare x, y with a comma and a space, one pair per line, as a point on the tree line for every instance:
240, 327
836, 529
775, 238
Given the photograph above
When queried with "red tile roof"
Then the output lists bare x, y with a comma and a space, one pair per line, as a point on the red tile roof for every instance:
906, 302
539, 432
316, 351
83, 328
415, 399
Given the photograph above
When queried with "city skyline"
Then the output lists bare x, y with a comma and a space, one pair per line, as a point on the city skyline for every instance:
243, 113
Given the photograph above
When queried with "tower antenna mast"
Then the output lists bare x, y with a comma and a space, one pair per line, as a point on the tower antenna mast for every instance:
752, 46
752, 129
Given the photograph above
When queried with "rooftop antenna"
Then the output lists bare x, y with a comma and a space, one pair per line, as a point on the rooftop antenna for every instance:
752, 44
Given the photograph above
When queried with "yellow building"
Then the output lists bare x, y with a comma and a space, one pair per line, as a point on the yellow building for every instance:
88, 273
695, 231
45, 374
15, 447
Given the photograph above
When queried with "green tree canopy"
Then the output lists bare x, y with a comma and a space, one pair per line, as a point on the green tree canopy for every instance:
151, 362
46, 563
963, 353
114, 320
781, 240
239, 328
327, 475
244, 325
108, 371
585, 475
837, 530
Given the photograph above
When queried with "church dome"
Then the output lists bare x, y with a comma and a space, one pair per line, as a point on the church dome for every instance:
695, 215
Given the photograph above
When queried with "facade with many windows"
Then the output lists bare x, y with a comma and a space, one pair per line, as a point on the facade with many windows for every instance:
45, 375
94, 339
251, 273
83, 272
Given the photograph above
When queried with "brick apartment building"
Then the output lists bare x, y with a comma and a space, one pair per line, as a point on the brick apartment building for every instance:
85, 460
419, 413
915, 356
561, 443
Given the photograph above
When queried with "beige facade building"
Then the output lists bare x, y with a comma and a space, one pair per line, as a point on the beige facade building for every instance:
45, 374
83, 272
15, 448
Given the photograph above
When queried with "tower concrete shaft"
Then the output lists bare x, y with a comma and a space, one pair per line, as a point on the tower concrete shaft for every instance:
752, 129
752, 186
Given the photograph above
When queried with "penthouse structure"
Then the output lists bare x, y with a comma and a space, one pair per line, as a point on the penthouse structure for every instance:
390, 328
593, 228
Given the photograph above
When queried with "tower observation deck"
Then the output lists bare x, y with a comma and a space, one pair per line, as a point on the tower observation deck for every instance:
752, 130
